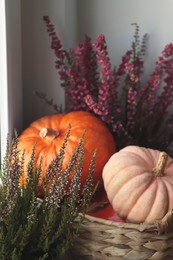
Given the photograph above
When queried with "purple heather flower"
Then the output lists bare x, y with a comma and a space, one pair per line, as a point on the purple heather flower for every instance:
125, 60
131, 109
107, 87
168, 50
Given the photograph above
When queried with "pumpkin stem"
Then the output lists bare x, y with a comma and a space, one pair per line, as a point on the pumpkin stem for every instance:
49, 133
158, 171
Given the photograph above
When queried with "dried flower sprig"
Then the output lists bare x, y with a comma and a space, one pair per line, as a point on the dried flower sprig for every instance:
34, 228
136, 110
50, 102
77, 68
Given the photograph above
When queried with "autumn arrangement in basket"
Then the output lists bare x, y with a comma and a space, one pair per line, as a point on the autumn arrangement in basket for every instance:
138, 178
102, 164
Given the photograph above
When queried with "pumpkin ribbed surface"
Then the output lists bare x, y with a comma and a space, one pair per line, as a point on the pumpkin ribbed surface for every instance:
139, 184
48, 133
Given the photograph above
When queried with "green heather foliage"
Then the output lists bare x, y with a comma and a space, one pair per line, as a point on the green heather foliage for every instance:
34, 228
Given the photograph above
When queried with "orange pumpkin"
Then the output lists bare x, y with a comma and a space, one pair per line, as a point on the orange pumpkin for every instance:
48, 133
139, 184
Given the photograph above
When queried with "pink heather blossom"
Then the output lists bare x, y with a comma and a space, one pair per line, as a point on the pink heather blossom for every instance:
125, 60
156, 81
168, 50
92, 105
131, 107
129, 67
136, 111
134, 78
130, 71
107, 89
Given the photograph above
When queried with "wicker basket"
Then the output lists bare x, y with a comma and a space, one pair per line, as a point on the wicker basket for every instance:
104, 239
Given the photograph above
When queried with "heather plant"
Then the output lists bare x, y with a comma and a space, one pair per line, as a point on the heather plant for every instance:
42, 228
136, 109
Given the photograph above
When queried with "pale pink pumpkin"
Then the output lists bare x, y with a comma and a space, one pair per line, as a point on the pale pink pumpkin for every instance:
139, 184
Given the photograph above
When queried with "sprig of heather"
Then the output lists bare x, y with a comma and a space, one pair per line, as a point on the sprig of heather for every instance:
62, 56
105, 102
58, 184
148, 93
166, 97
133, 71
89, 189
31, 227
77, 68
55, 166
55, 179
11, 171
82, 74
56, 45
75, 185
14, 167
134, 68
107, 89
107, 92
157, 94
50, 102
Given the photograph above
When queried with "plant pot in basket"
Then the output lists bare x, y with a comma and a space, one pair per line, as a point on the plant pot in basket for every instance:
139, 185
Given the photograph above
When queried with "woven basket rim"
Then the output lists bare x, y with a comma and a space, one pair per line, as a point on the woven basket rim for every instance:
163, 226
140, 227
105, 239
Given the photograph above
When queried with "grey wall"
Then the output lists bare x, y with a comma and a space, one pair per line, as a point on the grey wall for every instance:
113, 18
38, 59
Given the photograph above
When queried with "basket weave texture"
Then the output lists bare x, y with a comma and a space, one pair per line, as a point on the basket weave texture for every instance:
104, 239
